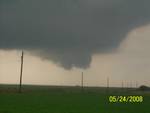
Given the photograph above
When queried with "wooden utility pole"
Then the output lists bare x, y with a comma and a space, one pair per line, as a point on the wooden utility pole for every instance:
82, 80
107, 88
21, 71
122, 85
130, 84
107, 82
136, 84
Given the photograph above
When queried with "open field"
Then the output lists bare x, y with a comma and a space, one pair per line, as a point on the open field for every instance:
54, 99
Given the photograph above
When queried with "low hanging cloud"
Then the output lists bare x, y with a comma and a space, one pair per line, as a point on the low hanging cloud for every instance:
69, 32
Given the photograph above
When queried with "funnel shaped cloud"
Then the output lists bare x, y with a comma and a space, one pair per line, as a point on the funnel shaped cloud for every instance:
69, 32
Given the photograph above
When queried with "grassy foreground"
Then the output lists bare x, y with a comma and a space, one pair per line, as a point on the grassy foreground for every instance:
40, 99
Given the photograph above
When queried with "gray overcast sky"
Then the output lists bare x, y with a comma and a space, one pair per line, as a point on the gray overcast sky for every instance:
75, 33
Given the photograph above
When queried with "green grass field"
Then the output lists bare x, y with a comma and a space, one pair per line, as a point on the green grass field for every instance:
40, 99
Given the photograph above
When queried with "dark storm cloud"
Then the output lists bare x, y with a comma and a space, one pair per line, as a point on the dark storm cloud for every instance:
69, 32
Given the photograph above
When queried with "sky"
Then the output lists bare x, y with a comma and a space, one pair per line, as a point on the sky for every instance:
102, 38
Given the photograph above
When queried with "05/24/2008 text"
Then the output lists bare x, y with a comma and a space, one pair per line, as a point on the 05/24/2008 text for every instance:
126, 99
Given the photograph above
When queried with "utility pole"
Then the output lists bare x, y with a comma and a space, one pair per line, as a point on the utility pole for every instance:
122, 85
107, 88
107, 82
82, 80
130, 85
136, 85
21, 71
